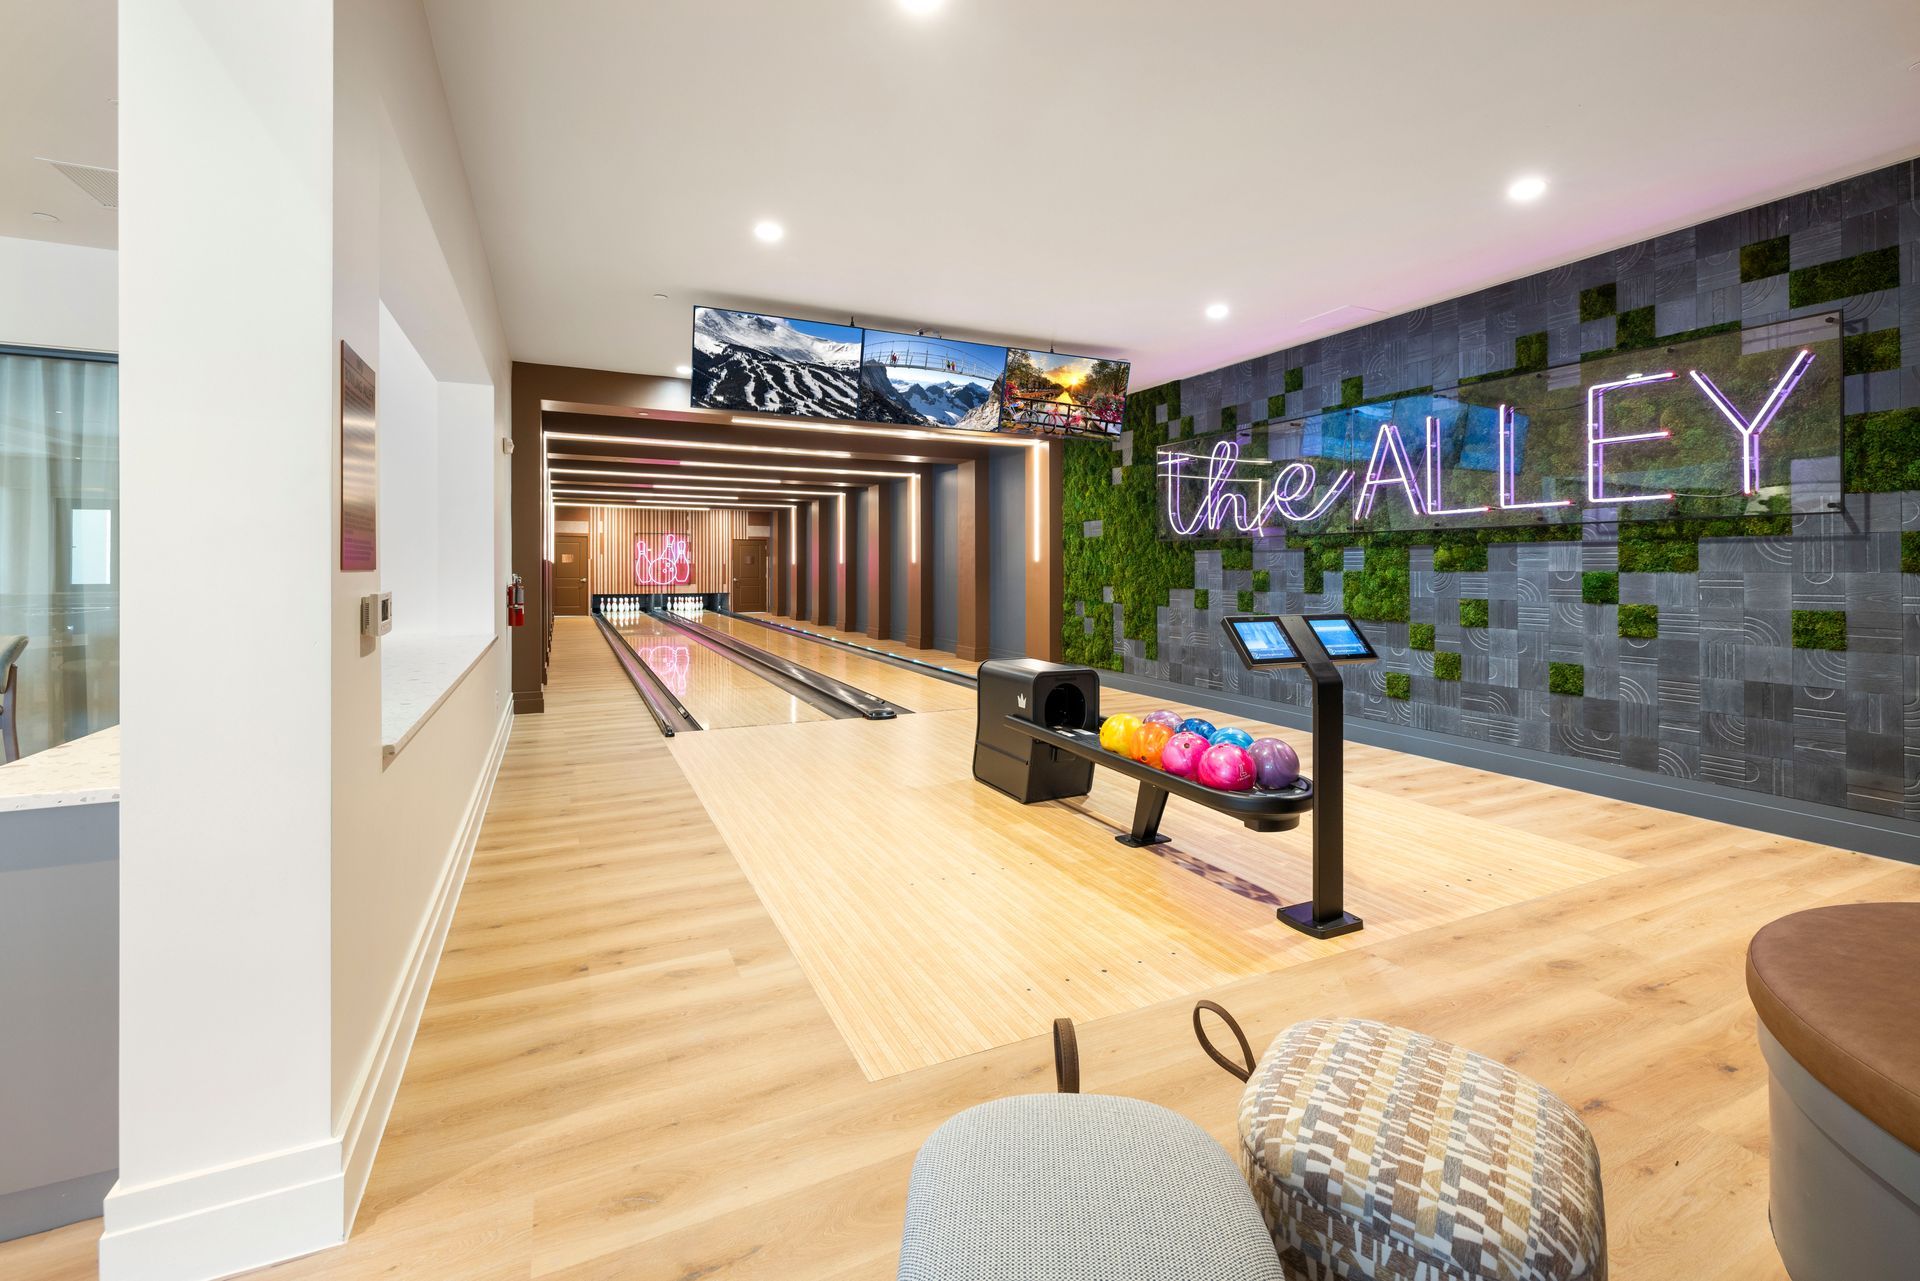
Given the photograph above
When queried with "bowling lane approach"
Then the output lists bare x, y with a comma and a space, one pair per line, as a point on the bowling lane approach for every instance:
720, 693
895, 684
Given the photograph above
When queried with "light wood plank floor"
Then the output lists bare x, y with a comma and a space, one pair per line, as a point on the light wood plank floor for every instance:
623, 1070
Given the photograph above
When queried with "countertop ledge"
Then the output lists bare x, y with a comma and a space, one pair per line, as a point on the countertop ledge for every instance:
85, 771
416, 675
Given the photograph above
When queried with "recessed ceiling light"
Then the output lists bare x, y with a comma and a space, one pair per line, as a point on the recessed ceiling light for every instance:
921, 8
1216, 311
1526, 190
40, 216
683, 371
767, 231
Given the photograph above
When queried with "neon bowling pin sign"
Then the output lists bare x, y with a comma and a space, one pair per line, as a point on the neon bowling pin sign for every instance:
670, 567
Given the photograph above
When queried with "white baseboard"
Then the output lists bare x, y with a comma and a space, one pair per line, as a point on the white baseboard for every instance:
213, 1223
372, 1099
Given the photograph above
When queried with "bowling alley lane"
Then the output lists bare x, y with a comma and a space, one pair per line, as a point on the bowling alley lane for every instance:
720, 693
895, 684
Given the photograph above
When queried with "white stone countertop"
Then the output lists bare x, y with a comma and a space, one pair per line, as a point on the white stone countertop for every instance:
416, 675
85, 771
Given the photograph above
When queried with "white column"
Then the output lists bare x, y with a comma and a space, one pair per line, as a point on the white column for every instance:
228, 390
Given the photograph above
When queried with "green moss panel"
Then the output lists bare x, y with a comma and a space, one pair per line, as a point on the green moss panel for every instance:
1873, 353
1910, 552
1866, 273
1882, 451
1399, 685
1352, 390
1262, 581
1819, 629
1473, 612
1296, 379
1382, 592
1600, 588
1277, 406
1420, 636
1763, 259
1599, 302
1244, 602
1236, 558
1567, 678
1446, 666
1201, 599
1639, 622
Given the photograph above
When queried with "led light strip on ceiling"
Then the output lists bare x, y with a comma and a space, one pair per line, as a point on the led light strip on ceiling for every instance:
673, 475
894, 433
700, 444
791, 469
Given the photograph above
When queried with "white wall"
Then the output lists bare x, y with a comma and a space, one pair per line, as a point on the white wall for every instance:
58, 295
285, 887
227, 390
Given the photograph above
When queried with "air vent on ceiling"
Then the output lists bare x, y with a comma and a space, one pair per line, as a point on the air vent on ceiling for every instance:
102, 184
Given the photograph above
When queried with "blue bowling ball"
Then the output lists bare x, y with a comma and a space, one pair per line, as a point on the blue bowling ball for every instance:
1231, 734
1194, 725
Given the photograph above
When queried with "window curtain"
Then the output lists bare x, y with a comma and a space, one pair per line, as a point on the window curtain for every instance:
60, 572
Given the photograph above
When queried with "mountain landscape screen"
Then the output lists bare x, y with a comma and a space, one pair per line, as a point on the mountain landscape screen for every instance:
934, 382
1050, 395
770, 364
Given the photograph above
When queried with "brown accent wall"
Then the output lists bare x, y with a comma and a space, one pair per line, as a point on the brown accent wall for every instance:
973, 562
709, 536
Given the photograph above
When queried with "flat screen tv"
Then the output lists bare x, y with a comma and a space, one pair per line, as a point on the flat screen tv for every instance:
775, 365
932, 382
1051, 395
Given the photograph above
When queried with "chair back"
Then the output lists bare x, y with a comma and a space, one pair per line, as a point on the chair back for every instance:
11, 647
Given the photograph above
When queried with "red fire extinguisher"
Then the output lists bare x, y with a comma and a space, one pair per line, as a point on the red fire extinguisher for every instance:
516, 603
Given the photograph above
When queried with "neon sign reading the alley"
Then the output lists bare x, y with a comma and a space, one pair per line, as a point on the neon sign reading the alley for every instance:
1732, 424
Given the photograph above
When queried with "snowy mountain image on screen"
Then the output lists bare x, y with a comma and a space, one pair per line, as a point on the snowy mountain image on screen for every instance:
934, 382
744, 360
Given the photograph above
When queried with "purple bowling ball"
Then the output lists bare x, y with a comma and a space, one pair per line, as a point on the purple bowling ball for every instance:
1172, 720
1226, 767
1182, 753
1275, 765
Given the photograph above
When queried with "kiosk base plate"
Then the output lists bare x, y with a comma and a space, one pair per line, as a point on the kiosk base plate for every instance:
1300, 917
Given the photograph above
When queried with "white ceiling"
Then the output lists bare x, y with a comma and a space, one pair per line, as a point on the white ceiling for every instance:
57, 85
1094, 172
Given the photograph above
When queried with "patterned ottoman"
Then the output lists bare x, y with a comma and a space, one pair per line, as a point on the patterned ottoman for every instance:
1375, 1152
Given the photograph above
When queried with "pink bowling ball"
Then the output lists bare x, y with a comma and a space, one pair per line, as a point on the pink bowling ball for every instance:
1182, 754
1275, 765
1225, 766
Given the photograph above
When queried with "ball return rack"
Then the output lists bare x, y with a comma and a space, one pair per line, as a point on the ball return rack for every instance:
1324, 915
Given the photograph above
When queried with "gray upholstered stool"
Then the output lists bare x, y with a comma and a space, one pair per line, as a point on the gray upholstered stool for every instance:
1079, 1187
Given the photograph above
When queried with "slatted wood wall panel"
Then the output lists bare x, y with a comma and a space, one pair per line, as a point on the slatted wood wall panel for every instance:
709, 536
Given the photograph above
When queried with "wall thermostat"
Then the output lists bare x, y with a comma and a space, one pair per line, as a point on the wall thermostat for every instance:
376, 614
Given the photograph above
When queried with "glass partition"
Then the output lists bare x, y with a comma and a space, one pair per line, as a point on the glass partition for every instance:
60, 540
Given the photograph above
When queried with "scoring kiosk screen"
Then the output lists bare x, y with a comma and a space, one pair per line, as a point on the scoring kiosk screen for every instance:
1261, 642
1340, 636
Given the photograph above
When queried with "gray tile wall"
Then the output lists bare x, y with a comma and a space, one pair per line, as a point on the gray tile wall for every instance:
1720, 696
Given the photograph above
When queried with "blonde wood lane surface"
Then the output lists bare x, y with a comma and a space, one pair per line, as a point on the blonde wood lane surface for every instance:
721, 693
624, 1072
939, 918
899, 649
895, 684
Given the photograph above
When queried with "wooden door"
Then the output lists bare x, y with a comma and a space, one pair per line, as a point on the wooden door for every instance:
570, 574
749, 575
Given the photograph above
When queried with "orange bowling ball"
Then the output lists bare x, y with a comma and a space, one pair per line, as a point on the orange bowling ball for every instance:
1145, 743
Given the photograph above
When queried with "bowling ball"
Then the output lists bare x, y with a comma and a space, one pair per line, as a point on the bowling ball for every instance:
1147, 742
1231, 734
1163, 717
1194, 725
1225, 766
1182, 753
1115, 730
1275, 764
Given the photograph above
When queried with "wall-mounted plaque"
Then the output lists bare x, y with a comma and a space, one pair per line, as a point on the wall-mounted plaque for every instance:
359, 479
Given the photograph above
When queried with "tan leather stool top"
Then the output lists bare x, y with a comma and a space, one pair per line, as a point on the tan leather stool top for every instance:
1839, 988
